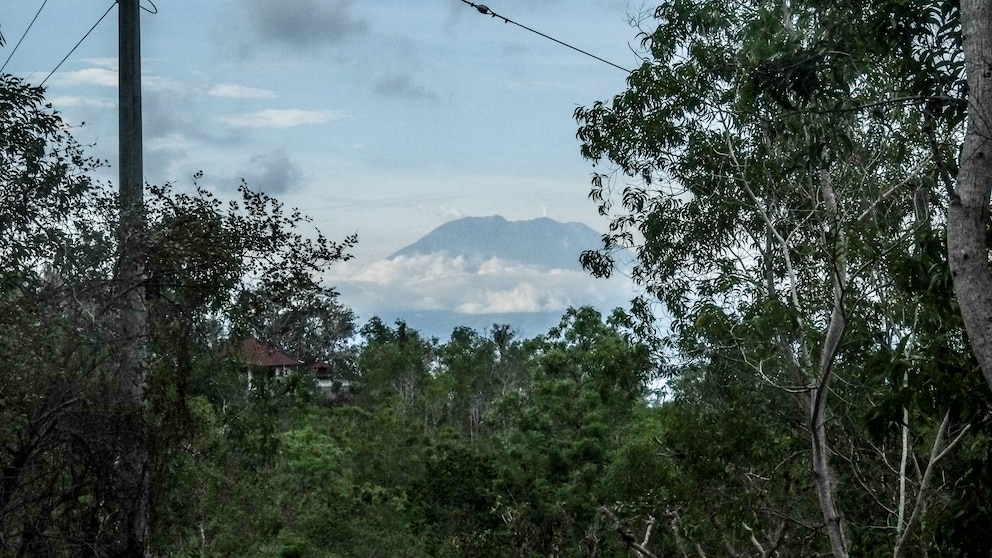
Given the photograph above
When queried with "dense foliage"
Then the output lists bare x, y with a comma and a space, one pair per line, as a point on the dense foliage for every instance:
481, 445
789, 175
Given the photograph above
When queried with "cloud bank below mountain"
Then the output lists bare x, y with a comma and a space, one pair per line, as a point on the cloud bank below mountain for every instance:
474, 286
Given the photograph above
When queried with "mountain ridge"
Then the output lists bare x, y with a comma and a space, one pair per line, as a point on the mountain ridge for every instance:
543, 242
477, 271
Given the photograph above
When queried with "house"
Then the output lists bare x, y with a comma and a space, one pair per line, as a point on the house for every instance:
261, 360
327, 385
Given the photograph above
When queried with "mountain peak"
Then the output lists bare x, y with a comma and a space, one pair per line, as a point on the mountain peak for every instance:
543, 241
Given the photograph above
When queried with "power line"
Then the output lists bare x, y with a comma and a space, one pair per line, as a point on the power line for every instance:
79, 43
38, 13
483, 9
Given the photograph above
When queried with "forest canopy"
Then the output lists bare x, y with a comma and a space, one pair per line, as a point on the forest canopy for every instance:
805, 186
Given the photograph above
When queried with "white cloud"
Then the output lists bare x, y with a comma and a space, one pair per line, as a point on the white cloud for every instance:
90, 76
107, 76
412, 270
160, 84
60, 101
282, 118
496, 266
525, 297
235, 91
437, 282
173, 142
109, 62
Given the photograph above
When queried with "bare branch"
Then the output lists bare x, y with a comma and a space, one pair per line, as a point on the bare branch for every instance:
936, 455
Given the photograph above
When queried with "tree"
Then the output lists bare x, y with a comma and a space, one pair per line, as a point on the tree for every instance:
311, 326
44, 175
66, 488
395, 363
58, 440
215, 267
782, 160
555, 441
474, 371
968, 211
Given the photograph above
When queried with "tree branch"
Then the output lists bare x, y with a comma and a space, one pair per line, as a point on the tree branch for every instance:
936, 456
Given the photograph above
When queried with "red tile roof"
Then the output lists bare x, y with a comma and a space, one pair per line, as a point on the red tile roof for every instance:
257, 353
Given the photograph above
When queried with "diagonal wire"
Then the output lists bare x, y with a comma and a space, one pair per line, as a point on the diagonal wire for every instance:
25, 34
483, 9
79, 43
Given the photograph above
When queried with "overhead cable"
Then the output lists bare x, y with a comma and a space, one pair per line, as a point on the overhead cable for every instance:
483, 9
38, 13
79, 43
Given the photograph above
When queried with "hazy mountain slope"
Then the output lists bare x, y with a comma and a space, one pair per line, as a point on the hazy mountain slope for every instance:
478, 271
542, 242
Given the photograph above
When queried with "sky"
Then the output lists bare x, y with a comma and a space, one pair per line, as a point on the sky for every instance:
385, 118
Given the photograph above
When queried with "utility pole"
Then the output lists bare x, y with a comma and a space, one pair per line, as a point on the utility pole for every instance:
129, 41
134, 480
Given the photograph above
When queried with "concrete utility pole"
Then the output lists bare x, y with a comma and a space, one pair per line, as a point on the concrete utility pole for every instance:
134, 481
131, 170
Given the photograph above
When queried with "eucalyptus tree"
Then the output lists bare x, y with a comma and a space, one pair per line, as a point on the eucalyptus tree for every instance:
775, 165
968, 212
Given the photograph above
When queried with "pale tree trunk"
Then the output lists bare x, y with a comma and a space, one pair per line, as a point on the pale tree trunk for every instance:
968, 211
823, 478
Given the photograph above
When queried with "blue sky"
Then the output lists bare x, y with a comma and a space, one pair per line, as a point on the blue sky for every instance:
381, 117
